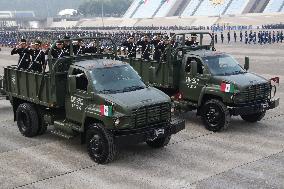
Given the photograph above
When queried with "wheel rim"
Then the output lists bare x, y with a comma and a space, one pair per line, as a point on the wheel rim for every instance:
97, 146
213, 115
24, 121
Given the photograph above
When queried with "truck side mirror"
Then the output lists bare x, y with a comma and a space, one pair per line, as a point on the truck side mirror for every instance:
246, 67
72, 84
152, 74
193, 68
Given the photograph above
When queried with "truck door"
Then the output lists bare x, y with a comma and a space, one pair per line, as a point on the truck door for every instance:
194, 79
78, 97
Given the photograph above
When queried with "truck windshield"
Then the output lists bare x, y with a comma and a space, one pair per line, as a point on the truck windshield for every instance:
110, 80
223, 65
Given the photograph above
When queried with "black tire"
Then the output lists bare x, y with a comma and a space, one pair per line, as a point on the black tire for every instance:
27, 120
215, 115
252, 118
160, 142
42, 125
100, 144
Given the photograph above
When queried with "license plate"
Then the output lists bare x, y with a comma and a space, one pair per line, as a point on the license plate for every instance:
159, 132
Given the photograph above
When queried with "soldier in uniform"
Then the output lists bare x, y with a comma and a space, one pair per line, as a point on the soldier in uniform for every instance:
79, 47
216, 38
229, 36
38, 57
246, 37
165, 47
131, 47
241, 36
23, 51
58, 51
235, 36
222, 37
66, 46
193, 41
146, 47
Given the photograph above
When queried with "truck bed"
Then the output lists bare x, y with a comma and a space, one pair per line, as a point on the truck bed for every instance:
155, 73
43, 89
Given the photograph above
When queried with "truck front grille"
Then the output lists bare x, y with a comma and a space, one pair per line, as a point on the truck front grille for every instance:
256, 92
150, 115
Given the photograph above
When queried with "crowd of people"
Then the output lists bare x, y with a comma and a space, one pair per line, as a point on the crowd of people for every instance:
151, 45
260, 37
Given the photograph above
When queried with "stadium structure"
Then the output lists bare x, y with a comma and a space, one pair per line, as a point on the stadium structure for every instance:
190, 13
180, 13
187, 8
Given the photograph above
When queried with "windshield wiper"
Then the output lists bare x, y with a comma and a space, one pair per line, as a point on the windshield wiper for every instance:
132, 88
109, 91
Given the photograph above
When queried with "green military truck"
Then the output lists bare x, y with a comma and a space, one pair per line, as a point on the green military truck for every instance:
102, 99
197, 77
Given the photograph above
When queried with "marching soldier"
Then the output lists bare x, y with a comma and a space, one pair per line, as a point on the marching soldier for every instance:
222, 37
235, 36
216, 38
246, 37
229, 36
131, 47
38, 57
23, 50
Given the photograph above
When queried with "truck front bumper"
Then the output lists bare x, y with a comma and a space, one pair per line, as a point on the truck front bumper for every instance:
254, 108
139, 135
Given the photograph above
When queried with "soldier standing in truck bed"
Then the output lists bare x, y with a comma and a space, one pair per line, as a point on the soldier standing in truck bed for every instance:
79, 47
23, 50
58, 51
146, 47
131, 47
38, 57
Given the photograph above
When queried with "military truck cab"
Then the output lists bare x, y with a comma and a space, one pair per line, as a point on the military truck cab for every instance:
95, 96
213, 83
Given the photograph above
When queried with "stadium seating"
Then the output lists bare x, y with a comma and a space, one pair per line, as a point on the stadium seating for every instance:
273, 6
147, 9
191, 7
165, 8
132, 8
237, 7
208, 9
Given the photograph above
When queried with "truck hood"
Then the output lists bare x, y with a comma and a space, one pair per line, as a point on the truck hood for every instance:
135, 99
242, 80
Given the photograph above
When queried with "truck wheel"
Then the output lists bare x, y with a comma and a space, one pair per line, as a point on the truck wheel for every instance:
215, 115
252, 118
27, 120
100, 144
160, 142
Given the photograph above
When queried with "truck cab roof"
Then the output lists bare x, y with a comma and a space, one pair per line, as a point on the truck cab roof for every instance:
98, 63
205, 53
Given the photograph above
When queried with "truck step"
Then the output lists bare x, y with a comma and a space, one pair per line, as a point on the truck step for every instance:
67, 125
62, 134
